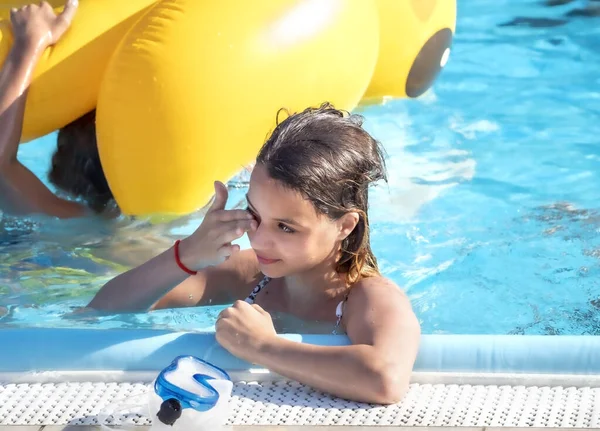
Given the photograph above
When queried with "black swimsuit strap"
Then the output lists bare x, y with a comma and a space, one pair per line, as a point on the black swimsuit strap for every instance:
260, 286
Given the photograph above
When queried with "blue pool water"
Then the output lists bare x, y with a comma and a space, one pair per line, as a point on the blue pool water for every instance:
490, 219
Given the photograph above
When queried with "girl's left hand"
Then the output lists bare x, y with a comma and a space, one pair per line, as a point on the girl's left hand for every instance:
243, 329
38, 24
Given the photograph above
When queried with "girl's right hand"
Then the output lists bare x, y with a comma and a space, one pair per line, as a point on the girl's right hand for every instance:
211, 244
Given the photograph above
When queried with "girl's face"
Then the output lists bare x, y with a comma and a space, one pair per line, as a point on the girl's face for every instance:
291, 237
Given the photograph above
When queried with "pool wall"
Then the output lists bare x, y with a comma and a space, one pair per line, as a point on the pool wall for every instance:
44, 349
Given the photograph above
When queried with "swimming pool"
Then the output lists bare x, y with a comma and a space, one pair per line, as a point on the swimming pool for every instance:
489, 220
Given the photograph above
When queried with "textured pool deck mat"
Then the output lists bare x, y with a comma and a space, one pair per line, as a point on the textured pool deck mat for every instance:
284, 403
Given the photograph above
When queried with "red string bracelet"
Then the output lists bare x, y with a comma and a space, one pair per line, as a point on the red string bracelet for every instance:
178, 260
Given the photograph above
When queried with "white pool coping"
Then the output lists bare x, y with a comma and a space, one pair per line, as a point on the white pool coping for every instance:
271, 402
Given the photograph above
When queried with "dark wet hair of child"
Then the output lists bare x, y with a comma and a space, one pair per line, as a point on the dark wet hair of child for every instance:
76, 167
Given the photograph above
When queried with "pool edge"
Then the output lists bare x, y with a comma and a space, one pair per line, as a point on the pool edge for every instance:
150, 350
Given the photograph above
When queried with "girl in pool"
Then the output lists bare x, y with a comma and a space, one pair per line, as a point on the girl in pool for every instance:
76, 167
310, 258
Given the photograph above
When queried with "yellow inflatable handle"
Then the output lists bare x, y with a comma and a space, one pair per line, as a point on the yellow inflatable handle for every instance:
67, 79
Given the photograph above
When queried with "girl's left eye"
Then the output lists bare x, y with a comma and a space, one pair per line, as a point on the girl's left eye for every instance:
281, 226
285, 228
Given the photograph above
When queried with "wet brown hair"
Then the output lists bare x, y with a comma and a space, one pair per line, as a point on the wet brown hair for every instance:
76, 167
326, 155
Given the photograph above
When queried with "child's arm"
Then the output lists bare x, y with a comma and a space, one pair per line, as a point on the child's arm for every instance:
375, 368
35, 27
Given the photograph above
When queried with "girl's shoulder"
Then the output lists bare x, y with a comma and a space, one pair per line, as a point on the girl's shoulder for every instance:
377, 292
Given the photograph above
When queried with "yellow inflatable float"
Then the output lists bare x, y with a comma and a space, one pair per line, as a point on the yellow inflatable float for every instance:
186, 91
67, 79
193, 89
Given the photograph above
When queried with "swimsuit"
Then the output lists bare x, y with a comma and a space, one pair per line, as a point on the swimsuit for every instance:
261, 285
